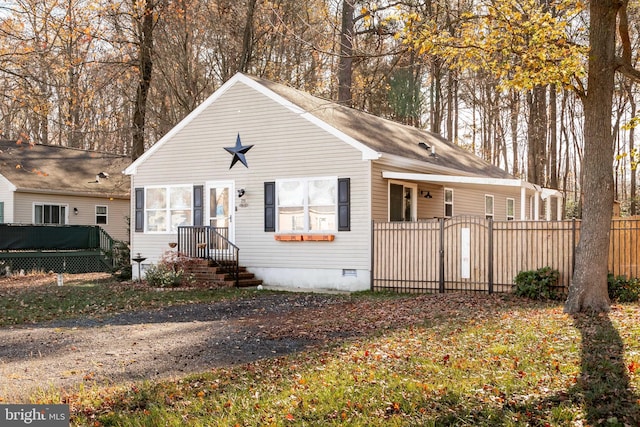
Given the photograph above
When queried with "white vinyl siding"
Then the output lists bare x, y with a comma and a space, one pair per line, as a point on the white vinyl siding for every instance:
6, 197
118, 211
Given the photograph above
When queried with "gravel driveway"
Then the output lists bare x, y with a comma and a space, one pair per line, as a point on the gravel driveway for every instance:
153, 344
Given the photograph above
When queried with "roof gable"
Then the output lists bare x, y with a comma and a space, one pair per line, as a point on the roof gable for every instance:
258, 86
63, 170
373, 136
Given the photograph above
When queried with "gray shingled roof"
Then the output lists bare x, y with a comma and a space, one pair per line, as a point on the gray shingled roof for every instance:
386, 136
48, 168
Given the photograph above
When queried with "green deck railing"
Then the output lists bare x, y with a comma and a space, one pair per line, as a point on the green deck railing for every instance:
57, 248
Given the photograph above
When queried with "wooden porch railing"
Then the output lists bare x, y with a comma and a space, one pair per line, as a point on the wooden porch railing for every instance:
210, 243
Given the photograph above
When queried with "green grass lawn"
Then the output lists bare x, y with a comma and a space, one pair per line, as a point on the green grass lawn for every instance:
47, 301
523, 363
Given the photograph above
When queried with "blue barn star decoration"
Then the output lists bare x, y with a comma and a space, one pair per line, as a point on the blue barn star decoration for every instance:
238, 152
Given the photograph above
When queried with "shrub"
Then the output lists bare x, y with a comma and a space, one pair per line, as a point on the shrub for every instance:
622, 289
169, 272
121, 254
537, 284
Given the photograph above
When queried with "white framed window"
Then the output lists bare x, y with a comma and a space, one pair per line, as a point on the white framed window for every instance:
448, 202
101, 215
44, 213
488, 206
307, 204
511, 209
168, 207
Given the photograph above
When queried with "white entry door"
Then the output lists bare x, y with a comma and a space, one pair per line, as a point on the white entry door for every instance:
221, 211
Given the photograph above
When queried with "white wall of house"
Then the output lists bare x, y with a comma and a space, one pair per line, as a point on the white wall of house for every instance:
6, 197
285, 146
117, 211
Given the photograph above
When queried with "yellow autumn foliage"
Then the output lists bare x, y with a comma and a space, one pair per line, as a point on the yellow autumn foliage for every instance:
519, 42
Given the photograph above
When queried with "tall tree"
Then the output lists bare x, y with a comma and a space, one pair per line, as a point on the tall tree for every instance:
517, 51
145, 23
345, 61
588, 290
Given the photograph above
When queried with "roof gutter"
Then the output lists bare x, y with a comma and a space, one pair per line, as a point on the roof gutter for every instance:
124, 196
459, 179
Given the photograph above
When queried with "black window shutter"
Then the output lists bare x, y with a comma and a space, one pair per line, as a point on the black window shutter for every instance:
269, 206
197, 204
139, 223
344, 204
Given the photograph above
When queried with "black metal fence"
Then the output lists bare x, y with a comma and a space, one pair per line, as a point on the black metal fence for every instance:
479, 255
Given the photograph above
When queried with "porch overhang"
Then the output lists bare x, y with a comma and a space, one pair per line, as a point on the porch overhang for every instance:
487, 182
461, 180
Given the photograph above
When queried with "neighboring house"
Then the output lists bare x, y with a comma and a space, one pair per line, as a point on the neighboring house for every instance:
298, 180
46, 184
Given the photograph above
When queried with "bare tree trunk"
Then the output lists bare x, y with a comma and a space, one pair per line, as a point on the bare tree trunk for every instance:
145, 63
588, 289
345, 65
515, 109
247, 40
450, 89
435, 100
537, 135
632, 190
553, 138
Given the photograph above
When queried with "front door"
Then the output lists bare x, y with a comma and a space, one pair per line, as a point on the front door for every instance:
221, 211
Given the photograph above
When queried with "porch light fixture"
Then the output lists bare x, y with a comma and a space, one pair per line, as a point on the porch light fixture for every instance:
241, 192
75, 211
426, 195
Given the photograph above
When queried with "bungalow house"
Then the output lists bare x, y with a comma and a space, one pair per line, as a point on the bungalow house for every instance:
46, 184
297, 181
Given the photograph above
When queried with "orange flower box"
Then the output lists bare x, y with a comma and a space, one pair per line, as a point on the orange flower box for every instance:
318, 237
288, 237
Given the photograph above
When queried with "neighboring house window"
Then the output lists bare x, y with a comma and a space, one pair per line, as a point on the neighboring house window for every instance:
1, 212
307, 204
488, 206
511, 209
101, 214
49, 214
448, 202
168, 207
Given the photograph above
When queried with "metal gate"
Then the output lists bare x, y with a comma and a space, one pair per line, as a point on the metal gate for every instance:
471, 254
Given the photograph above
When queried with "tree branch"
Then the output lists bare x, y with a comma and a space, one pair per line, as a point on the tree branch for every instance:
627, 70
